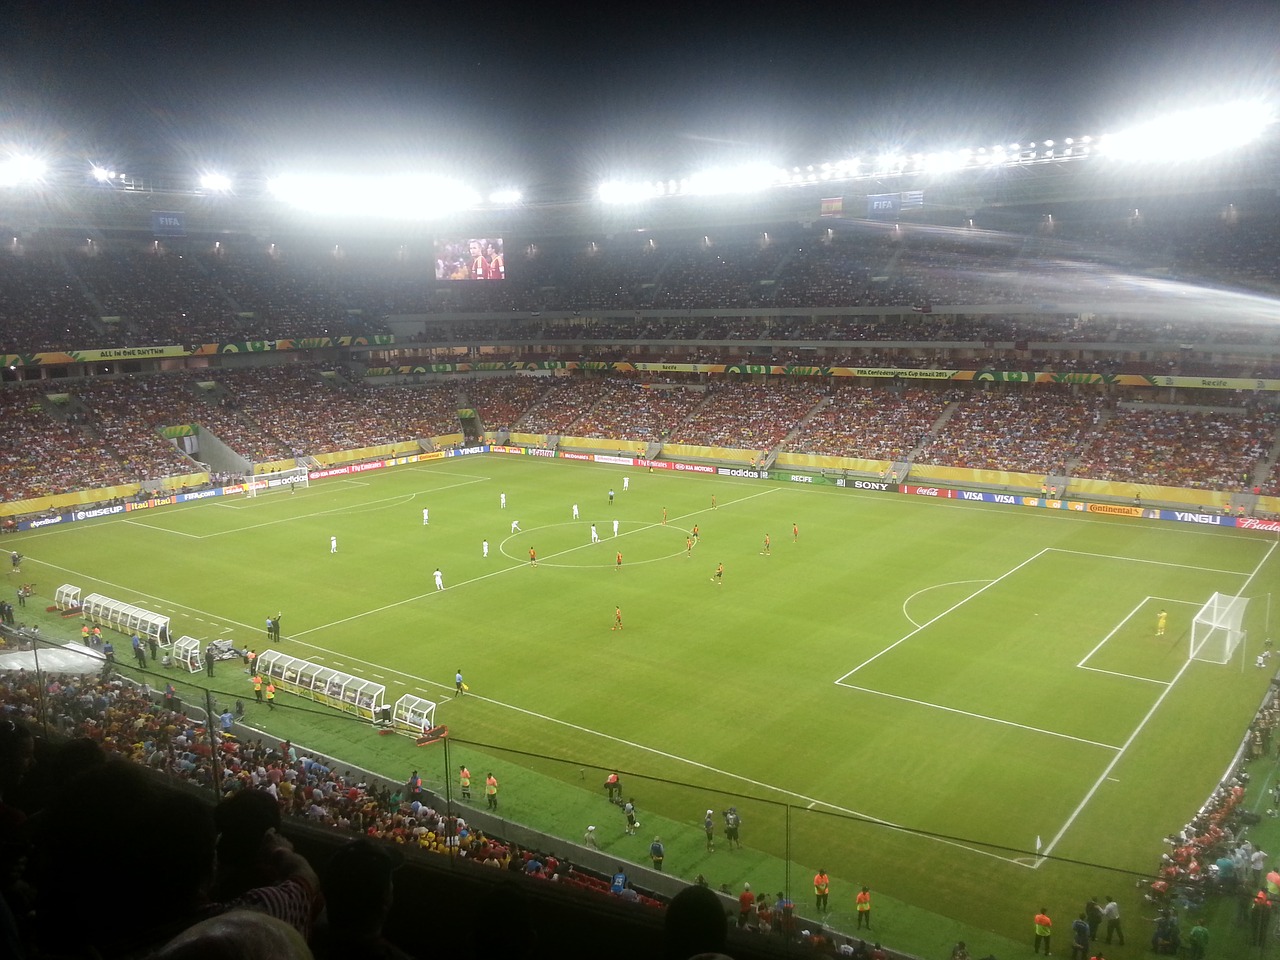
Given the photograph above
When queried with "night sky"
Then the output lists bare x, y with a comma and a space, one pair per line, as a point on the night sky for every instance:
555, 98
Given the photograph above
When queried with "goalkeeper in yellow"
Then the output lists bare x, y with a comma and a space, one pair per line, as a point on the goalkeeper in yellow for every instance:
1162, 620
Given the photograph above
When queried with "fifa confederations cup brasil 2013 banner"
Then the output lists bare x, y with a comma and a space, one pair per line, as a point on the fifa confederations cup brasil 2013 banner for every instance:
813, 370
60, 358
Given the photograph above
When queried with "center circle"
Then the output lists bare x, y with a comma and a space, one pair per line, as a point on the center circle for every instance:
569, 544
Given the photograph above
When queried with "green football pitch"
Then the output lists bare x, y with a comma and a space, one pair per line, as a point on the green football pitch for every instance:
910, 693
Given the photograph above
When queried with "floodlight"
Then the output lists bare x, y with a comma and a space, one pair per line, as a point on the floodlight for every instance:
615, 191
401, 197
1192, 134
21, 169
216, 182
101, 174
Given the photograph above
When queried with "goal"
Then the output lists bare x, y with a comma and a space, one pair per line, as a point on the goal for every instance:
1216, 631
255, 484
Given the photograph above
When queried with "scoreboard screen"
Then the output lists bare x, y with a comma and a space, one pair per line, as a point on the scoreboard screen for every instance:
476, 258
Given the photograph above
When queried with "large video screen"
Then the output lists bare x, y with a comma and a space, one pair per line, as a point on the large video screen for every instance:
473, 259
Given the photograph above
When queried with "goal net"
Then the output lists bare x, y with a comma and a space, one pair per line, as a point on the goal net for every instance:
278, 480
1216, 631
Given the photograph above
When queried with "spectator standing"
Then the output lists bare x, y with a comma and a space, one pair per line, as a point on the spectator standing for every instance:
732, 823
1093, 914
1080, 938
1258, 864
709, 827
491, 791
589, 838
657, 852
629, 811
1198, 941
821, 890
746, 901
1044, 931
464, 783
784, 914
1111, 913
208, 660
863, 902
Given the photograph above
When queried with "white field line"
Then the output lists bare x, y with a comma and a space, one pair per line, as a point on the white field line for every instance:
698, 765
1137, 730
516, 566
936, 586
1101, 643
386, 501
1162, 563
950, 609
152, 526
980, 716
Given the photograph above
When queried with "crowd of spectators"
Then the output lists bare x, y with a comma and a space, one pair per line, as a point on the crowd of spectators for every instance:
501, 401
43, 455
1161, 444
749, 416
1038, 431
42, 309
116, 292
105, 431
872, 423
112, 728
568, 400
639, 411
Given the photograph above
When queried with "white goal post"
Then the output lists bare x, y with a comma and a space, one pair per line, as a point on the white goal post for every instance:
255, 484
1217, 630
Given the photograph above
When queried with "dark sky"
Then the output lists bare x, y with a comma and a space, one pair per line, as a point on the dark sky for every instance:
558, 97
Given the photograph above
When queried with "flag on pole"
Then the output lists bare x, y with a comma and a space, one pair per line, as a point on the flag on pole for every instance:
1037, 843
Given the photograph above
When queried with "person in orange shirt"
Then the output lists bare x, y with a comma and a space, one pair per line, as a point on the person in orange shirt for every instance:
618, 564
533, 557
795, 533
617, 618
746, 900
863, 903
1044, 929
821, 889
688, 547
491, 791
